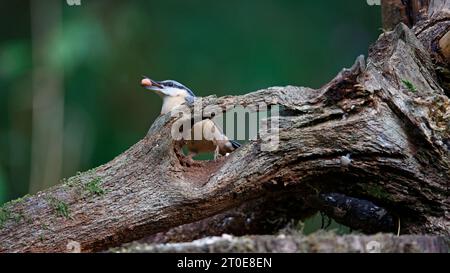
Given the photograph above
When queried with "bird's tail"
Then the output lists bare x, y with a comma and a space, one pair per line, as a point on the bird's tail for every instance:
235, 144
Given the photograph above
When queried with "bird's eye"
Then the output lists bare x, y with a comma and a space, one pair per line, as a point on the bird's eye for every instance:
170, 84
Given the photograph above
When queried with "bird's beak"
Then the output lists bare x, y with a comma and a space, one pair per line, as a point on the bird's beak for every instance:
150, 84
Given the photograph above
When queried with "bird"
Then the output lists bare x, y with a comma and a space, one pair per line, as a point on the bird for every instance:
212, 139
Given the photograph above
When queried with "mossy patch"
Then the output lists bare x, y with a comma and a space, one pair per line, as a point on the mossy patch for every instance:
94, 187
72, 182
16, 201
17, 217
61, 208
410, 86
5, 215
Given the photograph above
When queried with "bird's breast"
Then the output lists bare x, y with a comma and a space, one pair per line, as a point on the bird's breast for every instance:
169, 103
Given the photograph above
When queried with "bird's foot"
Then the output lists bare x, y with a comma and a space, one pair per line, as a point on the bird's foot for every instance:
217, 154
188, 160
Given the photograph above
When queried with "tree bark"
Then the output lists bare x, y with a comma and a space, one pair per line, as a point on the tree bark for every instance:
378, 132
316, 243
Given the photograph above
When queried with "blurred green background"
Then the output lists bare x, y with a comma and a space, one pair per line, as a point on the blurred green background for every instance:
70, 98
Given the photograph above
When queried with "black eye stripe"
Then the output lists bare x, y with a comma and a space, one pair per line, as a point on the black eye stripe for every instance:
177, 85
171, 84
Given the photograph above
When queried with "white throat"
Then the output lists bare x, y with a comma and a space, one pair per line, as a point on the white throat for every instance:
169, 103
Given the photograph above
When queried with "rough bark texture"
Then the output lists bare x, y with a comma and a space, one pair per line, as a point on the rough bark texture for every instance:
266, 215
317, 243
377, 132
410, 12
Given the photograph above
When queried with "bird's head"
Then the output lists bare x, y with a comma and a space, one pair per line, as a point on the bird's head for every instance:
167, 88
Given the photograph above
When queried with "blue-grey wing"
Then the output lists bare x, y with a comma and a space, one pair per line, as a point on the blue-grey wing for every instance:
190, 100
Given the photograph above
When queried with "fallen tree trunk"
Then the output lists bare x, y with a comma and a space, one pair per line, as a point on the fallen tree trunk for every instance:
377, 132
316, 243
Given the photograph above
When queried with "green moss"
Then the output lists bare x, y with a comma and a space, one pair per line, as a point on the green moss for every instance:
16, 201
88, 172
12, 211
410, 86
72, 182
17, 217
5, 215
94, 187
60, 207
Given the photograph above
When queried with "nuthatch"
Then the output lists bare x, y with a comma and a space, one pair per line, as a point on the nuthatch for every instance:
175, 94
